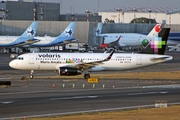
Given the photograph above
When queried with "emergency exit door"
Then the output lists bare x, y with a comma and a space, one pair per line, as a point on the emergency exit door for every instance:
139, 60
31, 59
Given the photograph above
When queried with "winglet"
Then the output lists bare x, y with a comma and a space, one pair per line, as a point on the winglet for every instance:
110, 55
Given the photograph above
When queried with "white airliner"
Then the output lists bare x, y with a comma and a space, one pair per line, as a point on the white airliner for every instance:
81, 63
65, 37
128, 39
19, 41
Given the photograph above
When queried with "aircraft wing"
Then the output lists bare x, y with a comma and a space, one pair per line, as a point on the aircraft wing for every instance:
88, 65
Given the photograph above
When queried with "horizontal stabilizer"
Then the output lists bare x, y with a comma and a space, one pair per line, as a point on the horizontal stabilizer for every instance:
159, 59
32, 41
70, 41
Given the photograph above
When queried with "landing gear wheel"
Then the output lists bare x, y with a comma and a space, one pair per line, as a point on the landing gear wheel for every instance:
86, 76
31, 76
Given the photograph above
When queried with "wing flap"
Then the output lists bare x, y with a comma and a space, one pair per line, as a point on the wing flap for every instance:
90, 64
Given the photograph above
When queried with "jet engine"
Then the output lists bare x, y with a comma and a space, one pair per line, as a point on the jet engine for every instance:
67, 71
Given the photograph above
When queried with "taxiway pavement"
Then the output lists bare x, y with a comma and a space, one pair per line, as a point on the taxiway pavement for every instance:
45, 97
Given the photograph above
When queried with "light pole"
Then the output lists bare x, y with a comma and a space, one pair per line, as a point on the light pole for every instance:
122, 16
34, 10
72, 16
118, 10
3, 10
149, 10
169, 19
135, 10
41, 14
98, 5
87, 13
7, 14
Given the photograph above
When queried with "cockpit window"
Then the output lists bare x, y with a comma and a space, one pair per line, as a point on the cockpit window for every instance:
20, 58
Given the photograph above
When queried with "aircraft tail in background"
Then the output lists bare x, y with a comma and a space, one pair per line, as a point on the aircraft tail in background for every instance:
69, 31
99, 28
27, 37
67, 36
30, 31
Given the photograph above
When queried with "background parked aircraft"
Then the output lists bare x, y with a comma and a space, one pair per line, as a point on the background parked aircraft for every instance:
128, 39
26, 38
65, 37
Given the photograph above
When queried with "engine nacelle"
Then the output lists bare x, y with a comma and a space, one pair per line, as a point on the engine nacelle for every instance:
67, 71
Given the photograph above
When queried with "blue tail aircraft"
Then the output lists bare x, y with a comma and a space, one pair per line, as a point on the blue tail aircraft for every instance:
19, 41
65, 37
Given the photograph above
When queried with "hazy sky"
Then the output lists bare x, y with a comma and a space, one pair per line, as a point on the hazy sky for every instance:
79, 6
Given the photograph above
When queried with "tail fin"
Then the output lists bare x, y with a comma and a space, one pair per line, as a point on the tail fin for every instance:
31, 30
99, 28
154, 31
69, 31
119, 38
158, 45
115, 43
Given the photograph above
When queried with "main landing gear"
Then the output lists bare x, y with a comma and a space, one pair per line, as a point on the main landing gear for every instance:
86, 76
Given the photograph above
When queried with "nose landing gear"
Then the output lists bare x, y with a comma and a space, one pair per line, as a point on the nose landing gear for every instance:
31, 74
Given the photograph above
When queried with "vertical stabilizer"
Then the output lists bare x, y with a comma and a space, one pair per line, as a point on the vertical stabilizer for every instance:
99, 28
154, 31
158, 44
31, 30
69, 31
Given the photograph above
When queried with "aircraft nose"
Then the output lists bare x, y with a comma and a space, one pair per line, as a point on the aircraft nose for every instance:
12, 64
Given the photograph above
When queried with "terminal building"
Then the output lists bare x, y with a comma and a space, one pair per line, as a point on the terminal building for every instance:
164, 17
19, 10
40, 11
17, 15
45, 11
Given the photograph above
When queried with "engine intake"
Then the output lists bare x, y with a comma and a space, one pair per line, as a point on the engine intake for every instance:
67, 71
